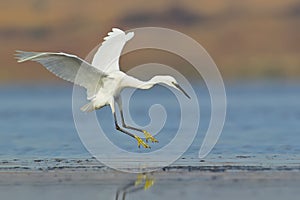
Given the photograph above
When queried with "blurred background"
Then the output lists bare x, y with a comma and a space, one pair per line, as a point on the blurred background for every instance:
254, 43
247, 39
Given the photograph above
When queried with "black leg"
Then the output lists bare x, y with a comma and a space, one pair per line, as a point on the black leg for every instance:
129, 127
138, 139
119, 101
147, 135
120, 129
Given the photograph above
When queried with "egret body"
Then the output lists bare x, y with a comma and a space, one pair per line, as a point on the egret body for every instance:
102, 78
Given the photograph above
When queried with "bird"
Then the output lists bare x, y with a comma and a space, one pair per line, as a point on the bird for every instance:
102, 78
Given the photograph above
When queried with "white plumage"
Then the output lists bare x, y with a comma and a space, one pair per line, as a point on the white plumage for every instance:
107, 56
102, 78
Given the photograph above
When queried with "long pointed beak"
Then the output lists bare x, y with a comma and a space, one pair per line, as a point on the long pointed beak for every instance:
180, 88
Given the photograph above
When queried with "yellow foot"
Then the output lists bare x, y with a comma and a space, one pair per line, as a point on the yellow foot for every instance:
148, 181
148, 136
141, 142
139, 179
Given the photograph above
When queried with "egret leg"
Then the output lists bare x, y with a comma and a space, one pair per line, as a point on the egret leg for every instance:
147, 135
138, 139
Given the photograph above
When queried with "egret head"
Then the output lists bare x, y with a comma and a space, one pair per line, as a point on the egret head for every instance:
170, 81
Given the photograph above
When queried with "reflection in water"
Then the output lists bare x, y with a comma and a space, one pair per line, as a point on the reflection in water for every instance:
143, 181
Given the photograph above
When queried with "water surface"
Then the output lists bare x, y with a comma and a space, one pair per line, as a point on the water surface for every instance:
262, 119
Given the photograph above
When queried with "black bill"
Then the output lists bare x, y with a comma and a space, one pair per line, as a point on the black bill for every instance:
180, 88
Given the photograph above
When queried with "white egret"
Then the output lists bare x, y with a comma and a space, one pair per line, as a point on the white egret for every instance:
102, 78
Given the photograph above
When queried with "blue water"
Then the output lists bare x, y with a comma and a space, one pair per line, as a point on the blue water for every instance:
263, 117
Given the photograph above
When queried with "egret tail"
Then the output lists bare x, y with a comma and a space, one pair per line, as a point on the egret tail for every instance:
89, 107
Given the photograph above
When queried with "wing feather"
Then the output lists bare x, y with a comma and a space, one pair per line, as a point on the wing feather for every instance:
107, 56
68, 67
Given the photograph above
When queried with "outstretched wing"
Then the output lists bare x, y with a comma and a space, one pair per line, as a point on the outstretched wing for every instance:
107, 57
68, 67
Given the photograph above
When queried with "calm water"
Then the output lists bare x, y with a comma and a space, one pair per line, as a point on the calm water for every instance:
262, 128
262, 119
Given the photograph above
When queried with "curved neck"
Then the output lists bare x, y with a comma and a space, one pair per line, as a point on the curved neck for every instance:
147, 84
136, 83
